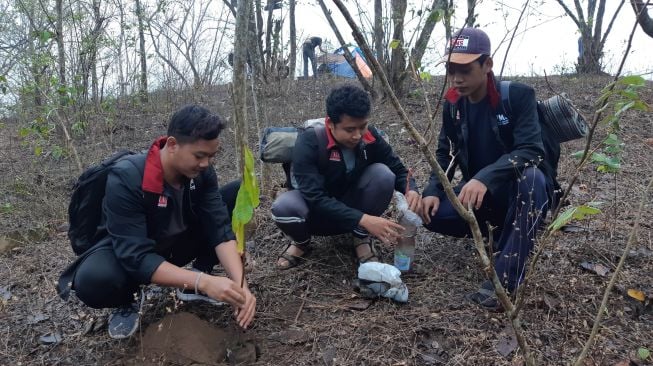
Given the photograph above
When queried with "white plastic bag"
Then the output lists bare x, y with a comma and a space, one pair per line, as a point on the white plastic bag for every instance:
384, 280
405, 212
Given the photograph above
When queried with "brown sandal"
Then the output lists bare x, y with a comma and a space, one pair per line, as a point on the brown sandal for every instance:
372, 256
293, 260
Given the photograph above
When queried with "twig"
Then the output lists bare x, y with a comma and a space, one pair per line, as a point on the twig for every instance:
613, 279
505, 57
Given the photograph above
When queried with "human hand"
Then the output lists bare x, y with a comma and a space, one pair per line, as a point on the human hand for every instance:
430, 206
472, 193
414, 202
245, 314
222, 289
385, 230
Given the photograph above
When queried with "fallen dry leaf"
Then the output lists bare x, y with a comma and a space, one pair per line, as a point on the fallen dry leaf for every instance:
290, 336
649, 141
597, 268
507, 342
636, 294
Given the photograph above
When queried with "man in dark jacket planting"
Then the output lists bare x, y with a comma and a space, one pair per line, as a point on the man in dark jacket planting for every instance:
498, 156
350, 189
162, 210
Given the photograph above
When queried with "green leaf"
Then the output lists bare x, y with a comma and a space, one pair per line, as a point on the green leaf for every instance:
395, 43
44, 36
623, 107
632, 80
436, 15
574, 213
643, 353
599, 157
38, 150
24, 132
246, 200
612, 139
610, 165
6, 208
425, 76
641, 106
57, 152
578, 154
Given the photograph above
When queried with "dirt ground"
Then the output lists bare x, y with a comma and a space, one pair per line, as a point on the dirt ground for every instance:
311, 315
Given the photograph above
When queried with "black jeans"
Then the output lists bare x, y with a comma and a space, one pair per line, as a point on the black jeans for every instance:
517, 213
101, 282
309, 54
371, 194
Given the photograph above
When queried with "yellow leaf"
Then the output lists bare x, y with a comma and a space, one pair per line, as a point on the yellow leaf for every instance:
636, 294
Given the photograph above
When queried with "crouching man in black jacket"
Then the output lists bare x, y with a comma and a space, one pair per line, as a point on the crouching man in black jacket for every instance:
345, 186
498, 156
161, 211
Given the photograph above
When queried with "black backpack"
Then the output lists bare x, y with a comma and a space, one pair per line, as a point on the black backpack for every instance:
558, 124
85, 208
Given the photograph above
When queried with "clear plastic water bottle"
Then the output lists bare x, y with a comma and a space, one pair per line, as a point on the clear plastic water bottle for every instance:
405, 248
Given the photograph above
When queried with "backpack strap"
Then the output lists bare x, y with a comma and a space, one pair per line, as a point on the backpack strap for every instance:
504, 90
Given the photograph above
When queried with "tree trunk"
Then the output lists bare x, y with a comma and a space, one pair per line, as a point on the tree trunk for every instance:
398, 54
592, 40
275, 60
590, 56
348, 56
293, 41
122, 42
239, 87
268, 37
471, 16
95, 85
259, 35
61, 55
644, 19
143, 56
447, 6
424, 37
378, 31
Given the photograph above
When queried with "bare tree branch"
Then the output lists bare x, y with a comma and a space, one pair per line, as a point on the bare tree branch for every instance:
644, 19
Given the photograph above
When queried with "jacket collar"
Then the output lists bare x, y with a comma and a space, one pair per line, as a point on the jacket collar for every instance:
452, 96
153, 174
368, 137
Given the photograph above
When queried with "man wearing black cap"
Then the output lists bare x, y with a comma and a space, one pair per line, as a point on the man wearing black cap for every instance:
498, 157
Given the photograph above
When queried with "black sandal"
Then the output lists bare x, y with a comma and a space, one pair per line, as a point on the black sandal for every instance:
486, 298
372, 256
293, 261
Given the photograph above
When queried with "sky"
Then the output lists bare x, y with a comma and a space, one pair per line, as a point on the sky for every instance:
546, 40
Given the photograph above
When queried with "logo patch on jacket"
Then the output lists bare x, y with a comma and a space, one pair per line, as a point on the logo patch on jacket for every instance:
502, 120
192, 184
335, 155
163, 201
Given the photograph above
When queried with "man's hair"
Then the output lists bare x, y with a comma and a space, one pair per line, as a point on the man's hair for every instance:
192, 123
350, 100
481, 60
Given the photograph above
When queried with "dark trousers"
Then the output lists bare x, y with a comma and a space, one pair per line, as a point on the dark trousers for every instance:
371, 195
308, 52
517, 212
101, 282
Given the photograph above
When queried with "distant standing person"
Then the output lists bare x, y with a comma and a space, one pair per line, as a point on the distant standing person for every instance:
308, 51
